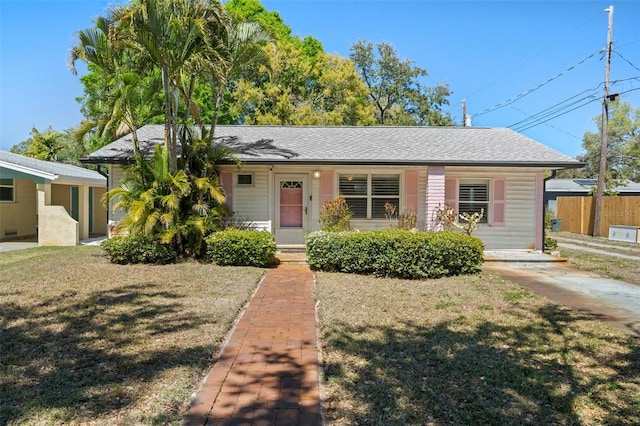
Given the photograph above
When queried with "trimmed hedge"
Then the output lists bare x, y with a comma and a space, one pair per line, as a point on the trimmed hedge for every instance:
132, 249
239, 247
395, 253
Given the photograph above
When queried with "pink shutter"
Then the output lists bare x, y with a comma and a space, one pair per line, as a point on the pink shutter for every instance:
326, 187
497, 210
411, 191
226, 179
451, 192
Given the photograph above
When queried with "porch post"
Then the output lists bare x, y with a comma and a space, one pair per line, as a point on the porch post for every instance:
44, 194
435, 195
83, 213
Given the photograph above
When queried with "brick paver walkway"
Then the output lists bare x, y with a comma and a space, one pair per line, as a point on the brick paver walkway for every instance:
267, 373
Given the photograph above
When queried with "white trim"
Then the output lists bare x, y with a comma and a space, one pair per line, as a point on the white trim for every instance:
28, 170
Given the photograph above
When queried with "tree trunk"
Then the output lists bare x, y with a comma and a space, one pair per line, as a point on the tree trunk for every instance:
168, 118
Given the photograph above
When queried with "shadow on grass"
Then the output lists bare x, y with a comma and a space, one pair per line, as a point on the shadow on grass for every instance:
82, 357
537, 373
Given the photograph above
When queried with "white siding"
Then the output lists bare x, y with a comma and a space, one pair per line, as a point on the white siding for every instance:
252, 202
520, 204
256, 203
116, 173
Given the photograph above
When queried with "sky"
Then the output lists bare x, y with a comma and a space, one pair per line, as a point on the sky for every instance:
511, 60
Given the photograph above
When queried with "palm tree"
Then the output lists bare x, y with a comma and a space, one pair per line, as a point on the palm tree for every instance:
243, 50
171, 34
178, 208
128, 98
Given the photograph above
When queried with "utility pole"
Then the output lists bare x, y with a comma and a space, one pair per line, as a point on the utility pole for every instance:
464, 112
605, 130
466, 119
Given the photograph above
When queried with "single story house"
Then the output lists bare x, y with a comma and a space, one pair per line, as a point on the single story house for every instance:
59, 204
289, 172
555, 188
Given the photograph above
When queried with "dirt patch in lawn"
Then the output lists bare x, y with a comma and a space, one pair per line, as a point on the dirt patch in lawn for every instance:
469, 350
83, 341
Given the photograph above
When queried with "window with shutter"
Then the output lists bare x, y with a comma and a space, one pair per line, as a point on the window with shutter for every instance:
473, 197
367, 194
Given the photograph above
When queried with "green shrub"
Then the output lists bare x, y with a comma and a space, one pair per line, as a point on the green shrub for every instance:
335, 215
550, 243
395, 253
131, 249
240, 247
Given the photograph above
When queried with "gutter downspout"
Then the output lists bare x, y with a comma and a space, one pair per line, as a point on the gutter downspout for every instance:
544, 191
106, 175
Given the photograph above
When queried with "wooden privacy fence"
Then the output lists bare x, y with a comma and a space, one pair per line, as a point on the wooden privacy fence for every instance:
577, 213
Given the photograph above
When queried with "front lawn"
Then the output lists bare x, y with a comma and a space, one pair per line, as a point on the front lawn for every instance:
469, 350
84, 341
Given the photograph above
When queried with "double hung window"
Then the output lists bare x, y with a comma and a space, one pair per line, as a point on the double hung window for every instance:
473, 197
367, 194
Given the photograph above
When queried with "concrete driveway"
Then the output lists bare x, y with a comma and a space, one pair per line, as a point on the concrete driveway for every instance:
613, 301
16, 245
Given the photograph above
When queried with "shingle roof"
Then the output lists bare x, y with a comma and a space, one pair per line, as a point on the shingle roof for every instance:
363, 145
49, 170
585, 185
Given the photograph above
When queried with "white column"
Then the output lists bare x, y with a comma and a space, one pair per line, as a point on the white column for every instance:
83, 213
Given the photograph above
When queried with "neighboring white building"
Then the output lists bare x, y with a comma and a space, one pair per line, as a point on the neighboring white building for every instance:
289, 172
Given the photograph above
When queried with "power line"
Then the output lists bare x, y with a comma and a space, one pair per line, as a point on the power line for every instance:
626, 60
563, 112
549, 125
562, 105
521, 64
522, 129
527, 92
559, 104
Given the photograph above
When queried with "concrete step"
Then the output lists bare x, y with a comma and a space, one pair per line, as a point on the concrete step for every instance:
296, 257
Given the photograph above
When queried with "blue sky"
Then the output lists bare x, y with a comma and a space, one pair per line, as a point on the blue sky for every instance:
489, 52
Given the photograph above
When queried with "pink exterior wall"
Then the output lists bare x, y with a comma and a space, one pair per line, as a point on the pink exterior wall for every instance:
435, 193
411, 191
326, 187
226, 179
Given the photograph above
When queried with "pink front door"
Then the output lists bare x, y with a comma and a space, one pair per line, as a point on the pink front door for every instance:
291, 208
291, 204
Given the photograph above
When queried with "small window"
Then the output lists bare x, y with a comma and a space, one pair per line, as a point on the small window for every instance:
473, 197
245, 179
7, 190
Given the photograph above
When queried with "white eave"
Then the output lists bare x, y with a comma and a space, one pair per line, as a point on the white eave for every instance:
29, 171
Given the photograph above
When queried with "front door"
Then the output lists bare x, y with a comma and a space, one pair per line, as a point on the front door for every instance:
75, 203
291, 209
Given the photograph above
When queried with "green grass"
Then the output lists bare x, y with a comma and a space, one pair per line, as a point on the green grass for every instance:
607, 265
395, 355
83, 341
